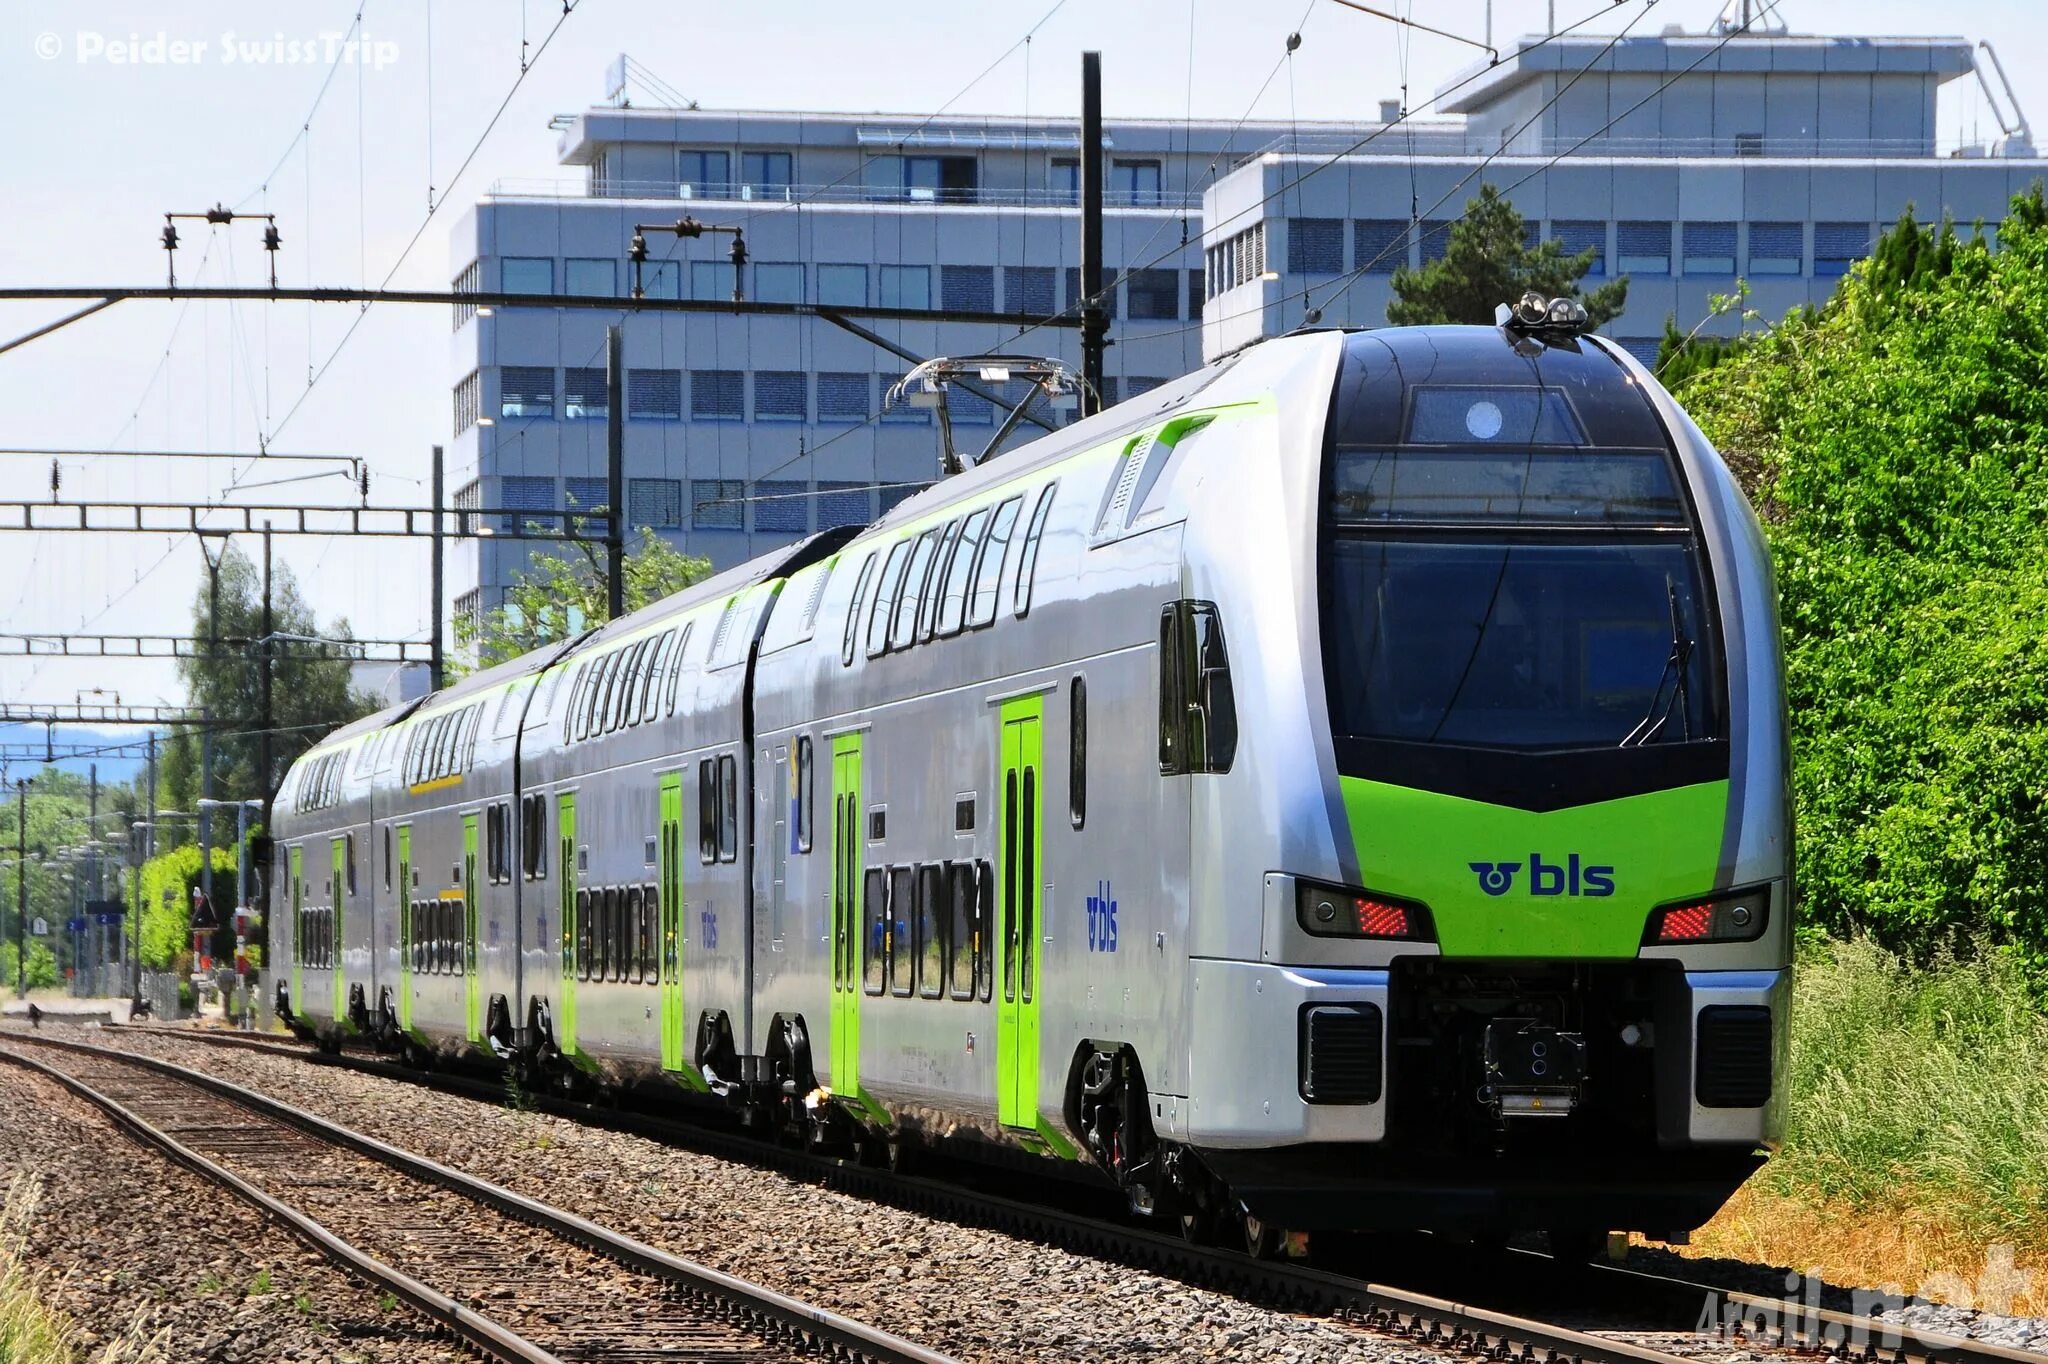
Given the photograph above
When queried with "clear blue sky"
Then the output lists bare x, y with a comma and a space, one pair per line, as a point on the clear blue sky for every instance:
103, 149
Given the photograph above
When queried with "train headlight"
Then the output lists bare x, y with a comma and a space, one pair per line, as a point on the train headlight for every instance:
1739, 916
1341, 912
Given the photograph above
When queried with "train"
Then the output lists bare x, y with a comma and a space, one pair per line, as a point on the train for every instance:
1343, 788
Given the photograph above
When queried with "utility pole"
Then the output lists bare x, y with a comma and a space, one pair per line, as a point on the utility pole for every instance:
92, 823
1094, 317
206, 789
21, 888
615, 470
436, 652
266, 754
148, 852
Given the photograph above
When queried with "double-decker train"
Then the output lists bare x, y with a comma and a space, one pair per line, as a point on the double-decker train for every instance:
1342, 788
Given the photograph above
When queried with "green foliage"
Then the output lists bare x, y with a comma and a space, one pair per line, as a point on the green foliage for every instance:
1918, 1091
310, 695
42, 967
559, 595
1895, 443
167, 928
1487, 263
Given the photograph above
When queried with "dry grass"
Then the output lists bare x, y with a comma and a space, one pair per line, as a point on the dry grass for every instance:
32, 1330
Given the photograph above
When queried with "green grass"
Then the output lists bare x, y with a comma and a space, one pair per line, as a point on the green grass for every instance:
1919, 1091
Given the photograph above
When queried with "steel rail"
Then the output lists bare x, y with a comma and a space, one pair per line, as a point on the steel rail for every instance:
774, 1313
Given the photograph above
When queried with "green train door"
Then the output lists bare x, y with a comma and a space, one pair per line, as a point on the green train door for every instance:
846, 927
405, 927
671, 902
334, 938
566, 825
298, 928
1022, 825
473, 1012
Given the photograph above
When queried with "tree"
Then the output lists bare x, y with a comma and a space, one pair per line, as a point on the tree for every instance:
1486, 263
310, 694
558, 595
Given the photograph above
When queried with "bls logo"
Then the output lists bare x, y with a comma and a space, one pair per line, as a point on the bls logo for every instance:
1570, 877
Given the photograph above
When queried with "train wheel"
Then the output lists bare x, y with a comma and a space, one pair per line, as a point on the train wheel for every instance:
1261, 1242
1197, 1224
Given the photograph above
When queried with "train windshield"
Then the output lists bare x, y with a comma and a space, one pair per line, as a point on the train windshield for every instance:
1508, 560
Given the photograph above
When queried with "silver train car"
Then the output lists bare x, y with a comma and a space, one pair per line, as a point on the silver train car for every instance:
1343, 788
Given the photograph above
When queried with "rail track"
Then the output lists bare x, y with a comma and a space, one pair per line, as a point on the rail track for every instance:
513, 1278
1760, 1323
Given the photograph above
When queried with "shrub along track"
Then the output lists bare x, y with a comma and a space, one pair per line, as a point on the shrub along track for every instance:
1515, 1279
558, 1288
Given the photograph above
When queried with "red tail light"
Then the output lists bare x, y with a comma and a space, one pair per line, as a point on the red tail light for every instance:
1737, 917
1377, 919
1335, 912
1686, 923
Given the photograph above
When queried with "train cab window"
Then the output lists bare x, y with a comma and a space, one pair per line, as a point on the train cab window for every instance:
707, 811
935, 582
910, 598
583, 939
934, 925
1027, 568
805, 790
874, 909
853, 605
902, 922
988, 573
886, 593
1197, 706
959, 575
1077, 752
728, 809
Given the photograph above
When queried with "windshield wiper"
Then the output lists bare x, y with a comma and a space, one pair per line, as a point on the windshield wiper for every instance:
1662, 704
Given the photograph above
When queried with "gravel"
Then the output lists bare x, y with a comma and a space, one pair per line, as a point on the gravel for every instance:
133, 1245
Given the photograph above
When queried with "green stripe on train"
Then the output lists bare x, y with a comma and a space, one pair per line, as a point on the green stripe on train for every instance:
1661, 846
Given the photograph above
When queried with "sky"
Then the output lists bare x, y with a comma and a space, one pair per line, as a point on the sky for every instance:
114, 128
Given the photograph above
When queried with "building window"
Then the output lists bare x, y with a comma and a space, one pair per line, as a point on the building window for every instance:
900, 412
588, 495
468, 282
968, 409
890, 496
1379, 245
656, 502
1643, 248
1028, 289
1577, 237
1139, 383
948, 179
969, 288
711, 279
1315, 246
906, 286
1137, 183
654, 395
1064, 181
469, 609
592, 278
1155, 295
715, 503
1436, 238
584, 395
466, 403
704, 174
1109, 278
781, 395
842, 286
1749, 144
1709, 248
1643, 348
1238, 259
1195, 295
661, 279
1837, 246
782, 506
779, 282
844, 504
845, 397
526, 391
524, 493
718, 395
468, 498
1777, 248
766, 173
526, 275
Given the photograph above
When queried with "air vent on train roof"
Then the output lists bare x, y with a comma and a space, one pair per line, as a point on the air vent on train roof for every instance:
1145, 459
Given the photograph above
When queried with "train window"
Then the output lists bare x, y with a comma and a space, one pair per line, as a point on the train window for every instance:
934, 923
805, 789
1197, 707
491, 836
349, 861
707, 811
1077, 751
988, 571
902, 922
910, 599
607, 684
581, 939
728, 807
860, 592
650, 935
984, 929
505, 842
657, 675
411, 934
387, 857
1027, 884
959, 575
886, 592
620, 698
473, 724
1027, 569
963, 937
575, 694
577, 724
935, 585
874, 896
675, 668
643, 678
